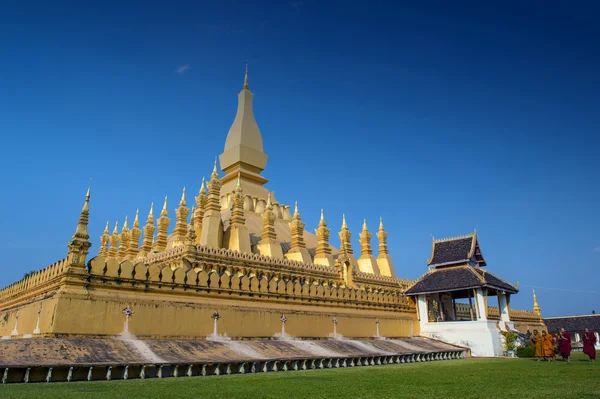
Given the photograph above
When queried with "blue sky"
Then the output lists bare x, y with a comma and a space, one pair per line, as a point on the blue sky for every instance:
438, 116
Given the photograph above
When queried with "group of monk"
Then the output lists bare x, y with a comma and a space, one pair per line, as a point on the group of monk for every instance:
545, 343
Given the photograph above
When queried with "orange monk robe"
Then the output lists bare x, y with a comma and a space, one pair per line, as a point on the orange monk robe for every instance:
548, 346
538, 342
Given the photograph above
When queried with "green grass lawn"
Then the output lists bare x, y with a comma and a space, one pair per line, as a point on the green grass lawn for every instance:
467, 378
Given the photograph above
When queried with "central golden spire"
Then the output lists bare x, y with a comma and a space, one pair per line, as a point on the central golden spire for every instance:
243, 151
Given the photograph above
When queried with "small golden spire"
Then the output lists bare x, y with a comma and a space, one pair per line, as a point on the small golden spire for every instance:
202, 189
164, 211
322, 216
381, 224
246, 78
151, 214
182, 202
82, 225
365, 241
215, 172
136, 221
125, 227
116, 230
536, 306
192, 215
87, 199
269, 205
239, 180
104, 240
296, 213
344, 225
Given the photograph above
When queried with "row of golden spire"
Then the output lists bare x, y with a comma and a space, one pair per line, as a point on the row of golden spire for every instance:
124, 245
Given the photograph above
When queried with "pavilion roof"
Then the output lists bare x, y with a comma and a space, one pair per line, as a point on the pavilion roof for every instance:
456, 251
573, 323
458, 278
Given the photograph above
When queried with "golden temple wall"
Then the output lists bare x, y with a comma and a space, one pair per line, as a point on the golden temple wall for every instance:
174, 297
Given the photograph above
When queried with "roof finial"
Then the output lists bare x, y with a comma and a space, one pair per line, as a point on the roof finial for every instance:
182, 202
246, 87
215, 172
344, 225
164, 211
202, 189
239, 180
381, 223
536, 306
106, 228
269, 205
296, 212
150, 219
116, 230
365, 225
322, 215
81, 230
125, 226
136, 221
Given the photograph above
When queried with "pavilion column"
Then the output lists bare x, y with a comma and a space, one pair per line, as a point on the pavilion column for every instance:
480, 302
422, 305
503, 307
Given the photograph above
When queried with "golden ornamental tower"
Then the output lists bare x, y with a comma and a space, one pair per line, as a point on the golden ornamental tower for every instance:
298, 251
384, 261
536, 308
146, 248
80, 243
133, 250
198, 213
190, 237
239, 237
367, 262
212, 227
123, 249
163, 225
104, 240
345, 235
346, 244
323, 252
268, 245
180, 230
114, 242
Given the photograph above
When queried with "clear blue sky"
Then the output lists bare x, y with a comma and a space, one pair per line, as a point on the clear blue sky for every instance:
440, 117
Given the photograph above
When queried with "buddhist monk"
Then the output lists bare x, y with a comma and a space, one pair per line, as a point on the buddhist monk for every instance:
564, 345
548, 351
538, 342
589, 339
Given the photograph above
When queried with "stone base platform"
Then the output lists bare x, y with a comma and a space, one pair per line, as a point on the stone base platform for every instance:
71, 359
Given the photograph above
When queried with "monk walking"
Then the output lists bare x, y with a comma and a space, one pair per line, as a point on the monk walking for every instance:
564, 345
538, 342
589, 339
548, 346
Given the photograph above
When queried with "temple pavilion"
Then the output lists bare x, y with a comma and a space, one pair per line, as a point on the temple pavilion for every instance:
452, 298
